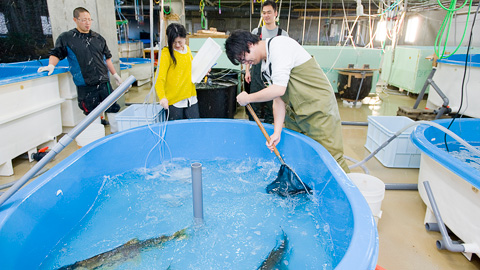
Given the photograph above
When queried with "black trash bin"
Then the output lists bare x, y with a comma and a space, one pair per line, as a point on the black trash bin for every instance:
350, 83
229, 74
217, 100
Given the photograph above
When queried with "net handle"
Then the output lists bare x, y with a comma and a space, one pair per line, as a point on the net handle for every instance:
259, 124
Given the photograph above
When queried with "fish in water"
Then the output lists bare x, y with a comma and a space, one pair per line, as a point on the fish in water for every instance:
275, 259
127, 251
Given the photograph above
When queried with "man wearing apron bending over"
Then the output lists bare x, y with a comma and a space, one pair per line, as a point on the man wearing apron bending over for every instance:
302, 95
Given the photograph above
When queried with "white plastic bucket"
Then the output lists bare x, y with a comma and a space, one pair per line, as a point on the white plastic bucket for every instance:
92, 133
113, 122
372, 189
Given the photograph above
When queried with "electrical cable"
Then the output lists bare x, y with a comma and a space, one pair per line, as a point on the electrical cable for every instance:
464, 74
304, 21
319, 21
279, 12
250, 13
390, 8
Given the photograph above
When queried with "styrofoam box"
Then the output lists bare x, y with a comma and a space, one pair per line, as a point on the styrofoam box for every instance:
399, 153
138, 115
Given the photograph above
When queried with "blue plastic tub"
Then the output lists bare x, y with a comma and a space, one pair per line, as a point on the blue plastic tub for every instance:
454, 178
36, 218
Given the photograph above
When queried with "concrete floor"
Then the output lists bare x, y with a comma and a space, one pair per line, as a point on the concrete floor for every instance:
404, 242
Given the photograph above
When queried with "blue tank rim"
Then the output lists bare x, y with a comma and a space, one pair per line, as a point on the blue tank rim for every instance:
132, 60
27, 70
461, 169
459, 60
362, 252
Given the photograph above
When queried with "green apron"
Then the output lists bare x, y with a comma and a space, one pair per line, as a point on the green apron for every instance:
262, 109
311, 108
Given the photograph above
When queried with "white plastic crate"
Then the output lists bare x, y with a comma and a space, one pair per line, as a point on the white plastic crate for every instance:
138, 115
399, 153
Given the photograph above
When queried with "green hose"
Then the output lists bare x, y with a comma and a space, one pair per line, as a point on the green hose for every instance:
169, 8
444, 30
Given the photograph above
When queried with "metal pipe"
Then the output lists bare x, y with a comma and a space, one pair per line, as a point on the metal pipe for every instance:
7, 185
68, 138
197, 192
446, 242
401, 186
359, 88
348, 123
444, 108
424, 88
433, 227
152, 52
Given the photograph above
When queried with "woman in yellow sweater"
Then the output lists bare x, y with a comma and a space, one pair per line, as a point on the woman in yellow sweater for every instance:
174, 85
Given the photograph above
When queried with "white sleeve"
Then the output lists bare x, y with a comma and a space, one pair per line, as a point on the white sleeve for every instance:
282, 60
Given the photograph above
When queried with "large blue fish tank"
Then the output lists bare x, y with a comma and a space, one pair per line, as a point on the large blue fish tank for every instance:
135, 185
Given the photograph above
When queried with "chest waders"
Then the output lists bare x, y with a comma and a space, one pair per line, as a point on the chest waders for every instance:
311, 108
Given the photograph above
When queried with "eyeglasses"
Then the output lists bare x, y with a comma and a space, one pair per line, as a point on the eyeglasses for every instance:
242, 59
85, 20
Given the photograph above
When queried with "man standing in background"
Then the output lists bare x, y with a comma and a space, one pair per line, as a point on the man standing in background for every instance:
90, 61
253, 74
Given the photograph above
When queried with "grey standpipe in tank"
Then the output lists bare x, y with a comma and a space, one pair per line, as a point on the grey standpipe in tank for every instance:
197, 192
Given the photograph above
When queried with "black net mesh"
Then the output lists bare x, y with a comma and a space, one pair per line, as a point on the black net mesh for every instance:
287, 183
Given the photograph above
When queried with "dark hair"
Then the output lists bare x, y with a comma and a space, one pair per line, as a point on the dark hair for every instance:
237, 44
174, 30
78, 10
270, 3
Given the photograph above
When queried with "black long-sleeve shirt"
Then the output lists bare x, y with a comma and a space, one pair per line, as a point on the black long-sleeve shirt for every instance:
86, 54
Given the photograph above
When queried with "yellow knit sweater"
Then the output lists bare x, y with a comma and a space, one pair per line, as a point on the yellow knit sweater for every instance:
174, 82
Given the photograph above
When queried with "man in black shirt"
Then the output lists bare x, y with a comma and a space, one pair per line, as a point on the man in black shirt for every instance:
89, 59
